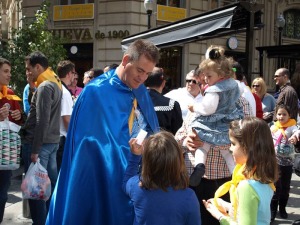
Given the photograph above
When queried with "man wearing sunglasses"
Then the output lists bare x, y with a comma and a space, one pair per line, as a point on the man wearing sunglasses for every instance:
188, 95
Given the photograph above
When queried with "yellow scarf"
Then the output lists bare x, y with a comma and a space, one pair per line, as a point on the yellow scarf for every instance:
4, 94
231, 186
49, 75
132, 115
278, 126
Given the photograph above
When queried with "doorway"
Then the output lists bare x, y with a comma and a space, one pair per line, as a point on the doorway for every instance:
82, 56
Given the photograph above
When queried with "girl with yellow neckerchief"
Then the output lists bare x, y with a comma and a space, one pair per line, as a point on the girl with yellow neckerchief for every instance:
282, 130
251, 188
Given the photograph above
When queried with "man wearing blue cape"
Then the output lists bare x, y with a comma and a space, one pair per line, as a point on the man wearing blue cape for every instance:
110, 110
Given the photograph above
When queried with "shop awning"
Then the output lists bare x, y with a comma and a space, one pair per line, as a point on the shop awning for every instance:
289, 52
281, 51
220, 22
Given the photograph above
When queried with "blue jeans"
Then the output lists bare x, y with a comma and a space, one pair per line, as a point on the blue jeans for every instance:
39, 208
5, 176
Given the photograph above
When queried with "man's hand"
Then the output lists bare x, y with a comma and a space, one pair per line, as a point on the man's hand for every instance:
16, 114
4, 112
34, 157
193, 141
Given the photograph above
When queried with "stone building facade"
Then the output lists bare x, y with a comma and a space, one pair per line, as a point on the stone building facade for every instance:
94, 30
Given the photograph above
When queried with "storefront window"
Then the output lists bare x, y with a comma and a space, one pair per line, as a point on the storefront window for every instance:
172, 3
292, 24
69, 2
170, 61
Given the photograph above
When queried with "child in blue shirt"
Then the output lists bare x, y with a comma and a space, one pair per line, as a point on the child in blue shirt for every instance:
160, 193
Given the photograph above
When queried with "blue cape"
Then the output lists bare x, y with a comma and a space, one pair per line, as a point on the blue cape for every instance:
89, 187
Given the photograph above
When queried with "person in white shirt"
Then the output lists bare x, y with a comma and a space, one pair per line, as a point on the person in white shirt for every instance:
245, 90
66, 72
188, 95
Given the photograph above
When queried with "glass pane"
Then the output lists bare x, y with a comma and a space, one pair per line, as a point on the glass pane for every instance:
297, 25
77, 1
292, 26
64, 2
162, 2
170, 61
289, 25
173, 3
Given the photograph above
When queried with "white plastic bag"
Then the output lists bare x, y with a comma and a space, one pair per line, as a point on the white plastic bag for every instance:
10, 145
36, 184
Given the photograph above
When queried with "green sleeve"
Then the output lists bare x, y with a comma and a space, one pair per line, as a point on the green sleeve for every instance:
227, 221
248, 201
248, 204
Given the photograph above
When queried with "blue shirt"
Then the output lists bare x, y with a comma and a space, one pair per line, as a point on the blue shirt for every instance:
26, 105
157, 207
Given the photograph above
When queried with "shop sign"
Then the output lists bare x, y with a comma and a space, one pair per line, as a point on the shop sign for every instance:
170, 14
86, 35
73, 12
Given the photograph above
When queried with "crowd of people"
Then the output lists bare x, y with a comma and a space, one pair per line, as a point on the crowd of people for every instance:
203, 160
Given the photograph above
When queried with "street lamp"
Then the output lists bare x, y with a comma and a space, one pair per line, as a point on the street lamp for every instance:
280, 22
148, 4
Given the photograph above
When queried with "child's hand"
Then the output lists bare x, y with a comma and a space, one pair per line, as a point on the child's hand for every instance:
191, 108
134, 147
295, 137
210, 207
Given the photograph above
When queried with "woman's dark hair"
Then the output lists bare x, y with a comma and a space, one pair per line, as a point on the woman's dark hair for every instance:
254, 136
163, 163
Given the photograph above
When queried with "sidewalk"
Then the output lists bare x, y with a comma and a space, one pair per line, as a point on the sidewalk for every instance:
13, 214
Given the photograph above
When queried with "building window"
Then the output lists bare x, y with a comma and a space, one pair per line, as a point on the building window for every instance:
292, 24
172, 3
69, 2
171, 61
220, 3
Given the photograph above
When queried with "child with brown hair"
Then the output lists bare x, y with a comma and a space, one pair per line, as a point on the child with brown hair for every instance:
251, 188
216, 110
281, 131
160, 193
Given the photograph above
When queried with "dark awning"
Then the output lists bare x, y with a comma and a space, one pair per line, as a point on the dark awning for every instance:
290, 52
281, 51
220, 22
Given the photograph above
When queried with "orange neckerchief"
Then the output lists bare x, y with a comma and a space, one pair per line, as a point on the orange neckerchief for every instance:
49, 75
278, 126
231, 186
4, 94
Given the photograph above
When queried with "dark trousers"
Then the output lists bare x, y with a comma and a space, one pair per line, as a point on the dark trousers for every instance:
60, 152
206, 190
281, 196
5, 176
